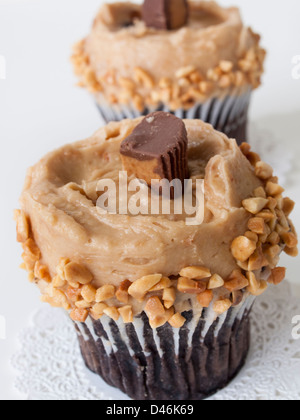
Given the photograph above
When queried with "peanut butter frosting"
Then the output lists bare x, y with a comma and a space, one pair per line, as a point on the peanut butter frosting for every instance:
119, 265
124, 61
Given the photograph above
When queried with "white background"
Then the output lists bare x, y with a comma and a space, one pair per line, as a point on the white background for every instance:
40, 109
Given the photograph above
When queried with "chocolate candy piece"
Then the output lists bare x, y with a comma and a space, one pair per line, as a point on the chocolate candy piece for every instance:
118, 15
165, 14
157, 149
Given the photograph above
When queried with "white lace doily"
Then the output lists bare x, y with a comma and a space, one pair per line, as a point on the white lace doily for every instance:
50, 366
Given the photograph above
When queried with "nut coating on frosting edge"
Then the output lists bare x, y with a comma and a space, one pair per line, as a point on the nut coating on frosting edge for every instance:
119, 266
135, 65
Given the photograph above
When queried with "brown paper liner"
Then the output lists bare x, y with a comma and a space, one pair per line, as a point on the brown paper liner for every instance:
228, 114
166, 364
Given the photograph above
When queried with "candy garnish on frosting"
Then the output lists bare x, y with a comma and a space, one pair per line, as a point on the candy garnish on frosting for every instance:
165, 14
157, 149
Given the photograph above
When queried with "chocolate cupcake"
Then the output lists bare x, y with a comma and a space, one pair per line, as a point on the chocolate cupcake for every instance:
191, 58
160, 305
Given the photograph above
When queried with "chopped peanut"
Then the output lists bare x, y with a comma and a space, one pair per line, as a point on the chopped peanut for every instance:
122, 292
263, 238
97, 310
272, 203
31, 277
163, 284
23, 227
31, 249
272, 251
267, 215
222, 305
60, 269
274, 238
254, 284
141, 287
185, 71
29, 262
280, 203
143, 77
195, 273
79, 315
88, 293
225, 81
255, 205
127, 83
272, 224
205, 298
242, 248
41, 272
77, 273
236, 281
260, 192
273, 189
262, 288
61, 298
177, 321
126, 314
252, 236
195, 77
214, 75
73, 294
288, 206
57, 299
283, 220
245, 148
161, 320
215, 282
58, 282
290, 239
112, 312
74, 285
154, 307
82, 304
257, 225
281, 230
292, 252
206, 87
156, 312
105, 293
226, 66
243, 265
263, 171
277, 275
169, 297
186, 285
253, 158
257, 261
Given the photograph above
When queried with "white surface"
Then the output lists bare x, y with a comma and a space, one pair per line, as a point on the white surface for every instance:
40, 109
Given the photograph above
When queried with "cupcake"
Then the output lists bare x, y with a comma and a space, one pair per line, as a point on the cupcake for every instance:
161, 306
191, 58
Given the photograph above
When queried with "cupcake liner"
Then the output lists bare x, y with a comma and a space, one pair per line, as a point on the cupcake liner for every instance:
228, 114
190, 363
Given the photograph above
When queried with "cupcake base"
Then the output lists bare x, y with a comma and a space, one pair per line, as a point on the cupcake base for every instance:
167, 364
228, 114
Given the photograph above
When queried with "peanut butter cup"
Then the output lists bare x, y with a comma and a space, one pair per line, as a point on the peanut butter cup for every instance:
165, 14
157, 149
